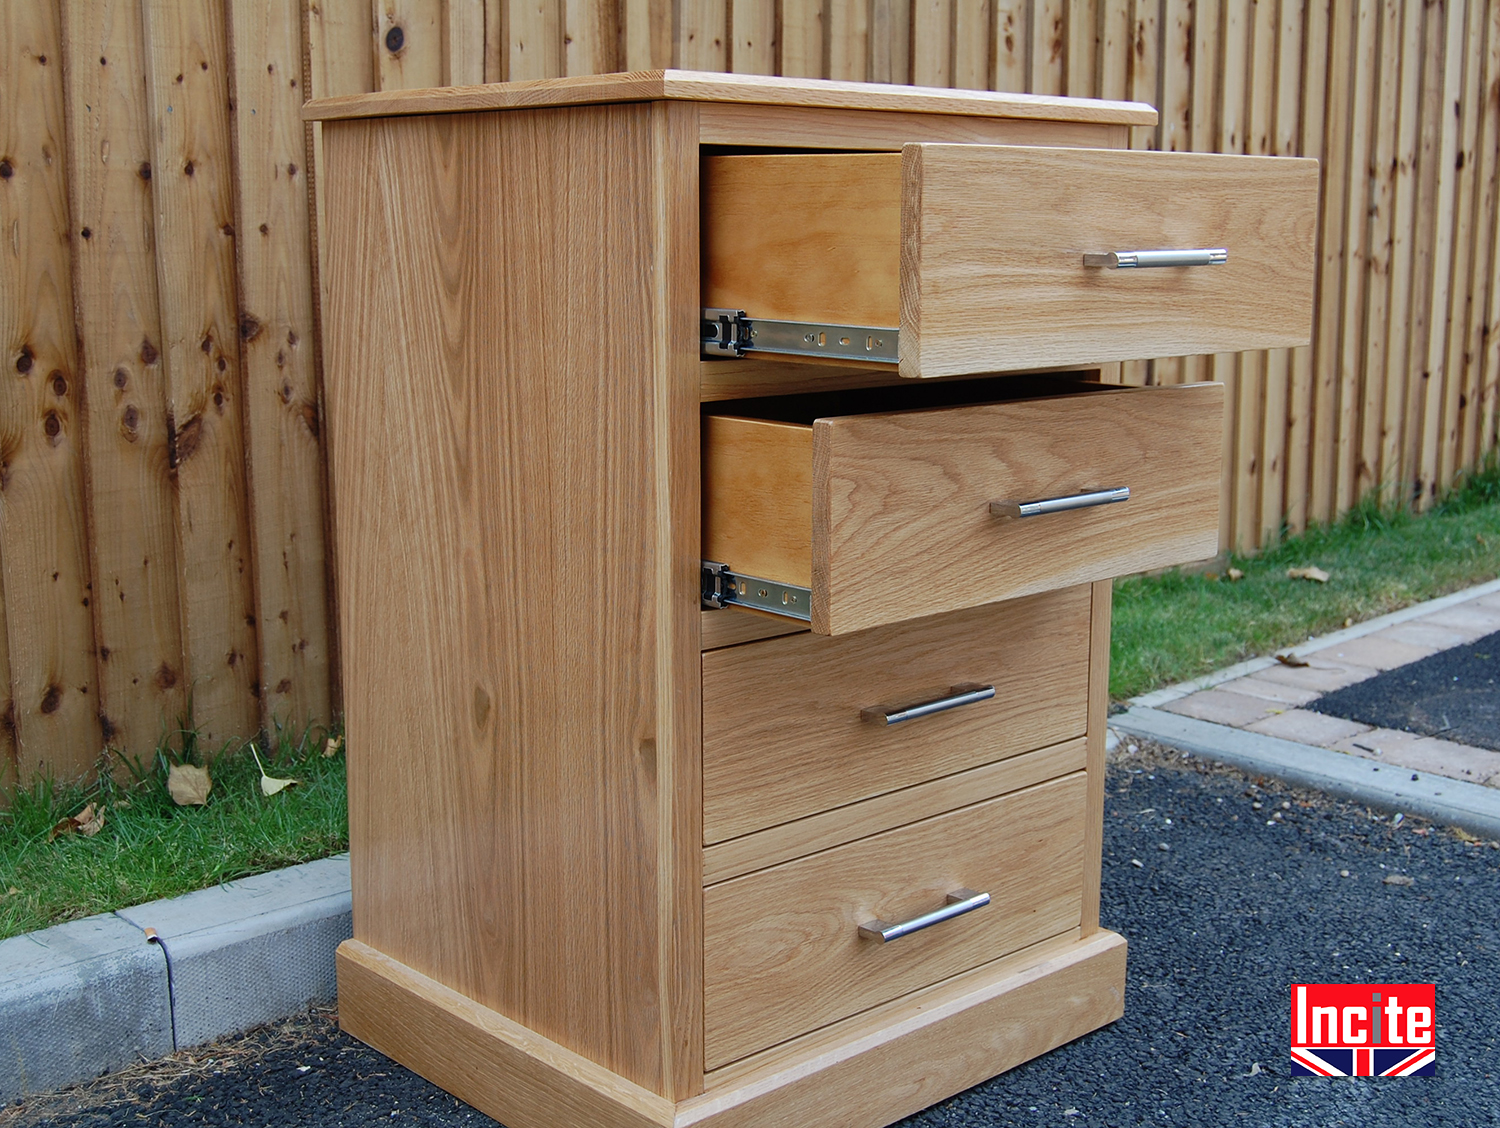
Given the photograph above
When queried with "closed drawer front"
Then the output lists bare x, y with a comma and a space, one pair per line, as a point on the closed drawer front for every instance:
783, 735
890, 516
783, 953
976, 252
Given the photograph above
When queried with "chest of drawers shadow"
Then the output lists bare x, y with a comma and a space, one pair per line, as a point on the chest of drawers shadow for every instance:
727, 486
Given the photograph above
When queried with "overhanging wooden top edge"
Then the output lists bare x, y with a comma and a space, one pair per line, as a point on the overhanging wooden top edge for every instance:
710, 86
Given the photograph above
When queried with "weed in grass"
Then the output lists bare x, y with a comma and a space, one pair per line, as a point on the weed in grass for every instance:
151, 848
1175, 626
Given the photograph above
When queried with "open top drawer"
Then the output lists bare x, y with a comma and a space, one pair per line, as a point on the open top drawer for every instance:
963, 259
858, 513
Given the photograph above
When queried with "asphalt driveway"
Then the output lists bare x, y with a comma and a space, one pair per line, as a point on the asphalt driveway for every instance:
1227, 893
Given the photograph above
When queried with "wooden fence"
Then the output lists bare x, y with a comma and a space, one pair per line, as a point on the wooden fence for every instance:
162, 504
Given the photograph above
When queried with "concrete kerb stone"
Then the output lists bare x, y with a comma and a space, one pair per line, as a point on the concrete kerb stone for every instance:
250, 951
94, 995
79, 1000
1386, 787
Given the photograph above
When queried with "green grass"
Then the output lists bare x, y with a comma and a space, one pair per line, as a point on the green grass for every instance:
1175, 626
151, 848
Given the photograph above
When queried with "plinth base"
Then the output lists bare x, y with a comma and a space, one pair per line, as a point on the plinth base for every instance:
869, 1070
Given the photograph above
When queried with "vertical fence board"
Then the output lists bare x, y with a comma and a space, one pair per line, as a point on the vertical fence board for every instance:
1143, 50
277, 363
1380, 184
848, 39
1351, 345
409, 38
1445, 200
1012, 27
1394, 475
753, 27
972, 41
1048, 46
464, 42
1283, 142
704, 39
1176, 106
10, 761
1461, 289
801, 38
1116, 20
1485, 330
591, 36
534, 39
890, 41
43, 540
932, 42
134, 598
1081, 68
1323, 457
192, 184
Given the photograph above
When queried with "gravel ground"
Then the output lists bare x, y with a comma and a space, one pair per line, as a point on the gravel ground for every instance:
1222, 909
1454, 694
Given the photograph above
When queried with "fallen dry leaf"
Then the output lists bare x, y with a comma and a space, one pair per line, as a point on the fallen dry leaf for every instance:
189, 786
88, 822
331, 749
1236, 574
12, 891
1312, 572
270, 785
1290, 659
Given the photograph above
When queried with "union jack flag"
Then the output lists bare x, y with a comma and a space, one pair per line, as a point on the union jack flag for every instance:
1323, 1062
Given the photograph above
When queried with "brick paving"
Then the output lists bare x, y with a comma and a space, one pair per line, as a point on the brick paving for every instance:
1266, 699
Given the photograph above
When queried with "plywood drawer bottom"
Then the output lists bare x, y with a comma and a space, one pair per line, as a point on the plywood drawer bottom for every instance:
783, 954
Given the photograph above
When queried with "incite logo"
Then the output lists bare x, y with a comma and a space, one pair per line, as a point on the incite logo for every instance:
1364, 1029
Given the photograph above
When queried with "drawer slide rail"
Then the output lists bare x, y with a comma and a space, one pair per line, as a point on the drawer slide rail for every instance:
725, 588
728, 332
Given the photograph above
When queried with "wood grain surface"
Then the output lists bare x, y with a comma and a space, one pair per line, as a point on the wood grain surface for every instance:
142, 681
278, 360
48, 705
495, 1064
811, 752
187, 91
805, 127
782, 951
820, 831
521, 579
936, 1041
757, 497
1061, 203
700, 86
901, 521
804, 237
900, 1059
732, 626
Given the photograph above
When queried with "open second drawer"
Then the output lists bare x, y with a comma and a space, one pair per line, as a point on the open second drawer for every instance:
861, 509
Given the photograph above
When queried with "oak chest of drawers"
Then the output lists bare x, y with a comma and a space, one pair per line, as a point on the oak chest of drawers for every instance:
824, 358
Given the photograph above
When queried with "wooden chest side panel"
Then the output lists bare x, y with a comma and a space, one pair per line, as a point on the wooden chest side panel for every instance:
494, 394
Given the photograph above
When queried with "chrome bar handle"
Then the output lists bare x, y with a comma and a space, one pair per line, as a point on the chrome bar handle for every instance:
895, 714
1086, 500
960, 901
1119, 260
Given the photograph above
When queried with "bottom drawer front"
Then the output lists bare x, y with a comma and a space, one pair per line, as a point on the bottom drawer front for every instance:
783, 952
